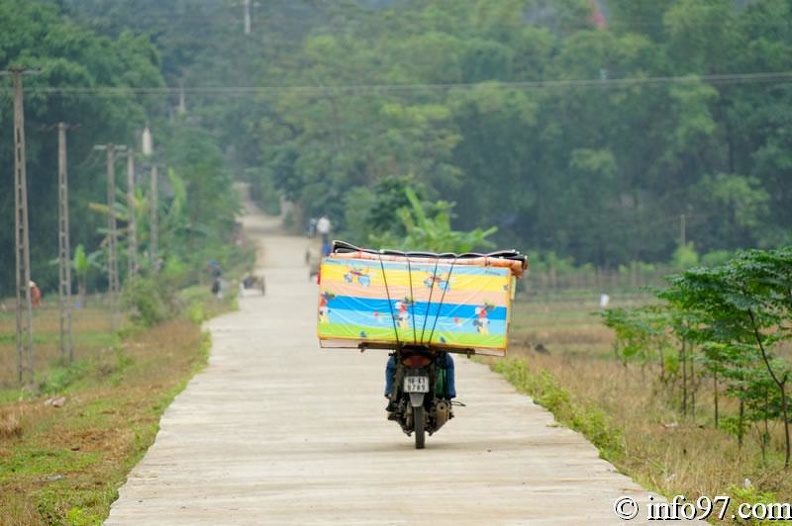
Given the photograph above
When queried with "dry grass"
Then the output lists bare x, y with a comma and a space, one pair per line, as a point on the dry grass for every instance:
660, 448
10, 426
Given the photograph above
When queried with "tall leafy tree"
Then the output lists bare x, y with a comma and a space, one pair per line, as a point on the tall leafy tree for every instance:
586, 140
86, 79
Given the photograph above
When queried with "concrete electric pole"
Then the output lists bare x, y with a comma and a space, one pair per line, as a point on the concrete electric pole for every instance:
154, 220
132, 225
24, 310
247, 16
181, 109
147, 148
113, 285
64, 249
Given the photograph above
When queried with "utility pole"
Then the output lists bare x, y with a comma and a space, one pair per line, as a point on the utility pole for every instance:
182, 107
147, 148
132, 226
247, 16
64, 249
154, 199
112, 237
112, 233
24, 309
682, 231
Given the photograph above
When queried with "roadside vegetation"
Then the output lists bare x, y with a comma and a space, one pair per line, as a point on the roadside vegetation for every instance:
73, 425
684, 389
68, 440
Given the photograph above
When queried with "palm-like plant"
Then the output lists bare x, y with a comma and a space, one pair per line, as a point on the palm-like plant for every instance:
432, 232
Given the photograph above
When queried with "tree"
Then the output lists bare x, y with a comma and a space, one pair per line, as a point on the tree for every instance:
642, 334
734, 207
746, 303
375, 211
71, 59
588, 142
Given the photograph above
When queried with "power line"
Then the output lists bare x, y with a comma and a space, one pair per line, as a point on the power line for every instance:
780, 77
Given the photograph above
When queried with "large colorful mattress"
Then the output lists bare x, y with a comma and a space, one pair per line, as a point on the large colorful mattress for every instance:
440, 302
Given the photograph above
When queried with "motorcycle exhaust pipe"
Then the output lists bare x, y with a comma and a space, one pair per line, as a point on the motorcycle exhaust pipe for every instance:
442, 412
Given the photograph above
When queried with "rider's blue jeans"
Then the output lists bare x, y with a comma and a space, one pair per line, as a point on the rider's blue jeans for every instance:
390, 373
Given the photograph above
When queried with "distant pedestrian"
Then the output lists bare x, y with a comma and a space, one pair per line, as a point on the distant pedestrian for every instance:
214, 269
217, 278
604, 300
323, 227
35, 294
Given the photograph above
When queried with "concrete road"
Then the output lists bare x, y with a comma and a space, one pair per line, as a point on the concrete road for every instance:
277, 431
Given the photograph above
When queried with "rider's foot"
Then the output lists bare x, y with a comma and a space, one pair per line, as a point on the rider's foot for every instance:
391, 409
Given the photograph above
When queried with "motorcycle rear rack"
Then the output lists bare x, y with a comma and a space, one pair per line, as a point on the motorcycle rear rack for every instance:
433, 348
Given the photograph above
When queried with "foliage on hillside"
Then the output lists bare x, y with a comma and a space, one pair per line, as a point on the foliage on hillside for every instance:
588, 142
101, 83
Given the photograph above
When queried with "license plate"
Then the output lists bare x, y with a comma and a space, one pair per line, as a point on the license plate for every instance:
416, 384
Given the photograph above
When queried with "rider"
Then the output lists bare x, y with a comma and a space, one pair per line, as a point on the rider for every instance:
217, 275
323, 227
390, 373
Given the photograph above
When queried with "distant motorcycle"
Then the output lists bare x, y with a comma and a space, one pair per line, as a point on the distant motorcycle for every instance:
252, 281
420, 400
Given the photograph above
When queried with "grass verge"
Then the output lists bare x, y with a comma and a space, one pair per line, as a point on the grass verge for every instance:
583, 417
67, 444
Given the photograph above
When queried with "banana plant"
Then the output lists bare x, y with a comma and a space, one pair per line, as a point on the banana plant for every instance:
432, 231
82, 264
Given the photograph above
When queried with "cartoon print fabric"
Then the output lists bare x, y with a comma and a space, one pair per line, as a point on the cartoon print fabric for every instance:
454, 306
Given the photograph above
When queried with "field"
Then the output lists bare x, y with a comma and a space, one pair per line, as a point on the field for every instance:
91, 334
630, 414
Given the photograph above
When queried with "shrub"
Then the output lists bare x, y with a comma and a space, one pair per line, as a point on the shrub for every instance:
62, 376
150, 301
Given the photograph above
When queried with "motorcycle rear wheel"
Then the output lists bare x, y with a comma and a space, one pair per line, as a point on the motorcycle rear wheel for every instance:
419, 422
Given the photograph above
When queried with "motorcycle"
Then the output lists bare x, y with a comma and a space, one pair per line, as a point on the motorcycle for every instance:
423, 307
420, 400
253, 281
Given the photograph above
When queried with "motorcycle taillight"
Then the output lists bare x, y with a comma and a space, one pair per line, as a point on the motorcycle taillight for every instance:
414, 361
